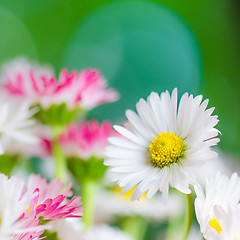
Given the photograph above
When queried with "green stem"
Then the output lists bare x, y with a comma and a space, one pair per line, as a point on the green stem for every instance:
189, 216
60, 160
89, 188
135, 226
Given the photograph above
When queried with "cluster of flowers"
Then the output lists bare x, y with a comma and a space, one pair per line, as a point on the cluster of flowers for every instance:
29, 95
29, 89
26, 210
164, 145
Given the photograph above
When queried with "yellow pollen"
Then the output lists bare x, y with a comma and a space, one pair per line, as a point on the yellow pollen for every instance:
215, 224
28, 208
128, 194
166, 149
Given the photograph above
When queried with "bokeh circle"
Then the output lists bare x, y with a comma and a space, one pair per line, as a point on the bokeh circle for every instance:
140, 47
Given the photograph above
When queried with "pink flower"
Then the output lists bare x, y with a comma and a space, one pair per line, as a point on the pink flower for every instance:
86, 89
18, 77
15, 225
47, 190
56, 209
34, 230
22, 208
50, 201
86, 139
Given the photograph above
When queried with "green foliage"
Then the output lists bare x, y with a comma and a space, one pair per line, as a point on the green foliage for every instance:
58, 115
8, 162
50, 235
91, 169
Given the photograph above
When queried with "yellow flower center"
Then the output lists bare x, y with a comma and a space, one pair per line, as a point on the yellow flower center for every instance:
166, 149
215, 224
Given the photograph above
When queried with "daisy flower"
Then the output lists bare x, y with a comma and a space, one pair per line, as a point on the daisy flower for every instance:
13, 203
50, 201
86, 139
217, 208
15, 122
17, 77
83, 145
229, 223
85, 90
22, 208
162, 144
47, 190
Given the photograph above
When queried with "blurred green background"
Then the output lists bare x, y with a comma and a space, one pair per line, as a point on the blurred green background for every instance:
140, 46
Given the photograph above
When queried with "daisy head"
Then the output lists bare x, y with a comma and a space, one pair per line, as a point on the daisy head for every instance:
162, 144
13, 204
83, 144
217, 207
86, 139
16, 123
51, 201
67, 97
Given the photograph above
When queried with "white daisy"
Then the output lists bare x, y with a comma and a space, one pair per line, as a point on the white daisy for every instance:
15, 122
162, 144
214, 207
229, 223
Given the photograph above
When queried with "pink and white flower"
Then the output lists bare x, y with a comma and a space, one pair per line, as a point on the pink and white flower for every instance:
22, 207
86, 139
50, 201
13, 203
47, 190
86, 89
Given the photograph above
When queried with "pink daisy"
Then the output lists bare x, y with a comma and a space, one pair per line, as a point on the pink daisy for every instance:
86, 89
86, 139
50, 200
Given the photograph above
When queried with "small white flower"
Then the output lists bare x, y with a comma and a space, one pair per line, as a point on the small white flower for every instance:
229, 222
162, 144
214, 207
15, 122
